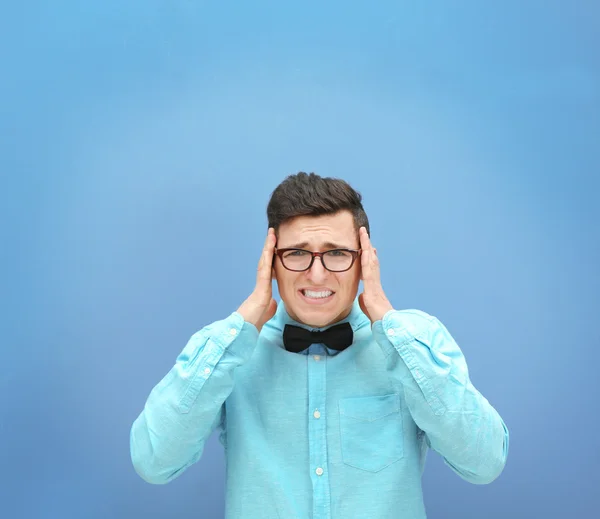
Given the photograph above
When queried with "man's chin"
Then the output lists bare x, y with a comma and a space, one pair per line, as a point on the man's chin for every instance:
315, 317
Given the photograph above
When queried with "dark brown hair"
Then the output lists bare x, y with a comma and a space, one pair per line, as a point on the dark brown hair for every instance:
305, 194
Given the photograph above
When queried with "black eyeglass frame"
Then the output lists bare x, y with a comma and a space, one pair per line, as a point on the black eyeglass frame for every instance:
280, 252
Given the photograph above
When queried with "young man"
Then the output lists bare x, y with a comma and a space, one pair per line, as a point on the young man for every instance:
326, 402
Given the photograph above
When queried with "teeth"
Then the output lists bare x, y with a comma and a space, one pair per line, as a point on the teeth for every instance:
317, 295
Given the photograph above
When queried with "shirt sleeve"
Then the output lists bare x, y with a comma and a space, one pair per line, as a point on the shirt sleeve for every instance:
459, 422
187, 405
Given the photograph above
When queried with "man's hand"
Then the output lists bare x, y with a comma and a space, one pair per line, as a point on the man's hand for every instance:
373, 301
260, 305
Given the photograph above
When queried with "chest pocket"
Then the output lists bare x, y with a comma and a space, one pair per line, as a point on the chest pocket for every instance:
371, 431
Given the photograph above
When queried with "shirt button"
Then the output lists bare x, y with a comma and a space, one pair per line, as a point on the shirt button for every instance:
317, 357
316, 414
319, 471
207, 370
391, 332
233, 331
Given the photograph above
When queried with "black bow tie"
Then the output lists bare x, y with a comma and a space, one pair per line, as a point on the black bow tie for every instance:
297, 339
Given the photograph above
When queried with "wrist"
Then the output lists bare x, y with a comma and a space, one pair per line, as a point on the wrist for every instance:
380, 312
250, 312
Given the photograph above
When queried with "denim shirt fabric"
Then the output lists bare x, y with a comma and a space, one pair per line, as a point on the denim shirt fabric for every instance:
321, 434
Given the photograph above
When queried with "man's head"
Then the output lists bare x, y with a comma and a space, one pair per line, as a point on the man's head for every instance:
317, 214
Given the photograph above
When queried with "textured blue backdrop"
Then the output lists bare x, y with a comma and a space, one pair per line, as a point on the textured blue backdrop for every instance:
139, 142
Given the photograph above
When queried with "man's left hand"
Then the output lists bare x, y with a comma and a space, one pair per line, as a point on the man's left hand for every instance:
373, 301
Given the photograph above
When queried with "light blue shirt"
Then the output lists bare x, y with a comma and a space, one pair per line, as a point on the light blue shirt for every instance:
321, 434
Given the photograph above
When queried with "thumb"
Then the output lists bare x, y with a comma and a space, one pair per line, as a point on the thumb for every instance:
268, 313
361, 303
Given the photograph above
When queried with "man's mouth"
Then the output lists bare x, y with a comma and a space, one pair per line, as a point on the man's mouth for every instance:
316, 296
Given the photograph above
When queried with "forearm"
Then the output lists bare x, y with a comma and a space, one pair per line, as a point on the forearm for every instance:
459, 422
187, 404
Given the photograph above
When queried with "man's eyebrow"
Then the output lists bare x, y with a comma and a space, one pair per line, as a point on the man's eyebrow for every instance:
327, 245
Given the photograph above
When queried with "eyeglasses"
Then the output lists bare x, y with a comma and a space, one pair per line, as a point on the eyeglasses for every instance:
336, 260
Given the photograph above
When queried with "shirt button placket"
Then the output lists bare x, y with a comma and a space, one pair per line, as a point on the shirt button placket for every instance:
317, 434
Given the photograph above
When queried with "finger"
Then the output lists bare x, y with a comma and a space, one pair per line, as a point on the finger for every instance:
370, 262
267, 252
266, 258
365, 263
365, 245
268, 238
365, 241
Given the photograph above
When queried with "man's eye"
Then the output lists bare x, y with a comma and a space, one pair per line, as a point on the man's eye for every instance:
296, 253
339, 253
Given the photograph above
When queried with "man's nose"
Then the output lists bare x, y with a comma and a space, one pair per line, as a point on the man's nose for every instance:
317, 271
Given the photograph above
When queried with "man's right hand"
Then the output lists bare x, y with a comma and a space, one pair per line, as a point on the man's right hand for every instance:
260, 305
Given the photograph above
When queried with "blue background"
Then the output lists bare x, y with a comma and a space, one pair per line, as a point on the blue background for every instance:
139, 144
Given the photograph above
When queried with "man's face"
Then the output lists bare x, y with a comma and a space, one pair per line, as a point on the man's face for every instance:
318, 234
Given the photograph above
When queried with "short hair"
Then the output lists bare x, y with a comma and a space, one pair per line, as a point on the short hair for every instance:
308, 194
